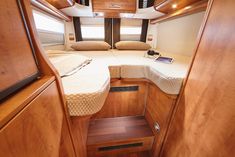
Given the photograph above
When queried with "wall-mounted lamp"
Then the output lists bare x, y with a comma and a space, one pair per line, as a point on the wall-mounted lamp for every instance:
174, 6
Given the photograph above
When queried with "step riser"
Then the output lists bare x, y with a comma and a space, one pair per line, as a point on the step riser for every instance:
120, 148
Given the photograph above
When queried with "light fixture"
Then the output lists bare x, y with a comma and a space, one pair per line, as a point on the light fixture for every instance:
174, 6
98, 14
188, 7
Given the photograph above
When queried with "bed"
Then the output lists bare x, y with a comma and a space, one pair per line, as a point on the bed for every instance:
87, 89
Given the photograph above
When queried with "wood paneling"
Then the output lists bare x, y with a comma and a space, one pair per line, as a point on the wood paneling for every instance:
118, 131
66, 144
203, 124
12, 65
80, 129
59, 4
47, 7
36, 130
17, 103
166, 6
120, 6
194, 8
128, 103
159, 109
31, 124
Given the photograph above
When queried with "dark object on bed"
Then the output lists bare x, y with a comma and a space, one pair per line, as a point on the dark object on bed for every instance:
152, 53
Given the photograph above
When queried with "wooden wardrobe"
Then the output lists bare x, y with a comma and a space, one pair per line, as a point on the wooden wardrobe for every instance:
204, 122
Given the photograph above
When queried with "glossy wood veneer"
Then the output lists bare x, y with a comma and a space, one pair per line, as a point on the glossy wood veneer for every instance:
203, 124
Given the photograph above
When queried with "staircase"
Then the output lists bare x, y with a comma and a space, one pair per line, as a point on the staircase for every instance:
121, 135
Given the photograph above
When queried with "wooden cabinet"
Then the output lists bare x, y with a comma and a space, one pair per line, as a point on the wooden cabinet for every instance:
114, 8
124, 6
60, 4
159, 109
36, 130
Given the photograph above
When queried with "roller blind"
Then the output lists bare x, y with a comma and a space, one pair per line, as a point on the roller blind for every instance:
130, 29
50, 30
92, 28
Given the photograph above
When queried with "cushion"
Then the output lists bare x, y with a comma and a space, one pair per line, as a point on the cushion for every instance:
132, 45
91, 46
67, 64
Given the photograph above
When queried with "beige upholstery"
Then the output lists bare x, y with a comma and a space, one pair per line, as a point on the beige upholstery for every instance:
132, 45
90, 46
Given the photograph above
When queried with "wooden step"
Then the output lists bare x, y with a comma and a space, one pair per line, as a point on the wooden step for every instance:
119, 135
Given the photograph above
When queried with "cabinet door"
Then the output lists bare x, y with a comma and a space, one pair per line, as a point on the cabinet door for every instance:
36, 130
17, 63
159, 109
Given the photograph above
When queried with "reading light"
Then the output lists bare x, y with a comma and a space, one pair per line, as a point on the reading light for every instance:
174, 6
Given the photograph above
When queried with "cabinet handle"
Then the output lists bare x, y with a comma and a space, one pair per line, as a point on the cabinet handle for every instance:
157, 127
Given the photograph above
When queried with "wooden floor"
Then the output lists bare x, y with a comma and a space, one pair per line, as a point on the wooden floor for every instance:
114, 136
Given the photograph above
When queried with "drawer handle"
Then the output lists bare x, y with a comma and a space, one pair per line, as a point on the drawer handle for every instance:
115, 6
157, 127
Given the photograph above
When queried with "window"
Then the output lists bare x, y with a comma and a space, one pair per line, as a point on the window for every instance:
50, 30
92, 28
130, 29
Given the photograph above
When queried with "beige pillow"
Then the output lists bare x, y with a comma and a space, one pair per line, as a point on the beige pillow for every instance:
132, 45
91, 46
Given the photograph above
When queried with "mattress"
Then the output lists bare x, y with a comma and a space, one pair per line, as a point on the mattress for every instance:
86, 90
105, 58
168, 77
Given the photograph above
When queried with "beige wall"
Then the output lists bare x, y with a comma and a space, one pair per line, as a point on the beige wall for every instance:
178, 35
69, 29
152, 33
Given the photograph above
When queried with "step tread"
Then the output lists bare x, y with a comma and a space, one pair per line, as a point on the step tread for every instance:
119, 129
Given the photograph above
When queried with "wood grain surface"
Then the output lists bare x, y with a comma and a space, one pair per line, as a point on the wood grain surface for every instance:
203, 124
